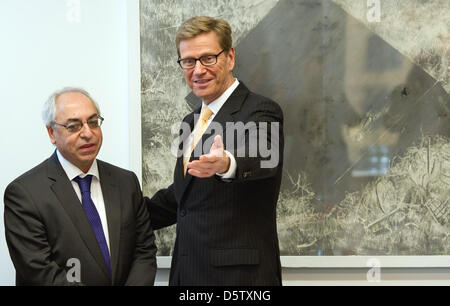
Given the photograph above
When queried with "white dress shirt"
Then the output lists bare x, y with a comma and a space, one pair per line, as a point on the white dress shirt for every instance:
215, 106
96, 191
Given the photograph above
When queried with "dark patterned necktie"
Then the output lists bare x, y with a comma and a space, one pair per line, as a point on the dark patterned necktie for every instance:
93, 216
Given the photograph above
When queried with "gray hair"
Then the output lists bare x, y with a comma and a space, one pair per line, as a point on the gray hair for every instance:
49, 110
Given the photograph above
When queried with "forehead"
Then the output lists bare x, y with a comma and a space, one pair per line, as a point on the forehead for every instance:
74, 105
199, 45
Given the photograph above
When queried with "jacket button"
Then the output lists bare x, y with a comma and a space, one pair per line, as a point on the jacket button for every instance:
247, 174
182, 212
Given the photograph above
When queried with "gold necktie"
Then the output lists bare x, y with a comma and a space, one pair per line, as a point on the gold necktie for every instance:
199, 129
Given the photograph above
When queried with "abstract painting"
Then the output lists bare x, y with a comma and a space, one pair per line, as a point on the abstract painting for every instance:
365, 91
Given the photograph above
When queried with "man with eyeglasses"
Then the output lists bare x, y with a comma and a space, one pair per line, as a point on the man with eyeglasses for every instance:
73, 219
223, 202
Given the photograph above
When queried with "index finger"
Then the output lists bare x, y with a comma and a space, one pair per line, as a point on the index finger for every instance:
211, 158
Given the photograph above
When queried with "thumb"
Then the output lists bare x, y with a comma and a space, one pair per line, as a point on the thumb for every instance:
217, 146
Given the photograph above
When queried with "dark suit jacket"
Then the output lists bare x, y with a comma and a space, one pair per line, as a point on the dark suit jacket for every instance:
45, 226
226, 231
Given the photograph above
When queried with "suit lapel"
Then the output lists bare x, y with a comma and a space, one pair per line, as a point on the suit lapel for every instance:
233, 104
67, 197
225, 115
111, 197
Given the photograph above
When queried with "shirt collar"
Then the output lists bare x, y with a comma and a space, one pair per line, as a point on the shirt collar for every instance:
72, 171
217, 104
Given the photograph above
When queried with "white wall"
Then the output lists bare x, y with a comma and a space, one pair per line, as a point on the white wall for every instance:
42, 49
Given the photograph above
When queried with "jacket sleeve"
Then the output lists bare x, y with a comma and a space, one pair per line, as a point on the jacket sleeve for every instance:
162, 208
27, 240
143, 269
259, 151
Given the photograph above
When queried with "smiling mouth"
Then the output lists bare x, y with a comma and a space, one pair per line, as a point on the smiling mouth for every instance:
202, 82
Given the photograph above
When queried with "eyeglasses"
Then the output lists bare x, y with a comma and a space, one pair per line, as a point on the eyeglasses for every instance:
77, 125
205, 60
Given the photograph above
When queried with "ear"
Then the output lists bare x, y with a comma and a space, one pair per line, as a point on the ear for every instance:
51, 132
231, 59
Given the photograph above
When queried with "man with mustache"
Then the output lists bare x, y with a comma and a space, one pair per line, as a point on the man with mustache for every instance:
73, 219
224, 203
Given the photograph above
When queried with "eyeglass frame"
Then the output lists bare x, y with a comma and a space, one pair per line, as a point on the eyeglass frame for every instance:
99, 121
199, 59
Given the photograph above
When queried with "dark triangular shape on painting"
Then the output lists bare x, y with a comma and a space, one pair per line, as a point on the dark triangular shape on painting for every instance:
297, 56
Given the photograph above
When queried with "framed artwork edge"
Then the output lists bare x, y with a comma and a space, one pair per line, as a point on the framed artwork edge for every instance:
135, 158
350, 261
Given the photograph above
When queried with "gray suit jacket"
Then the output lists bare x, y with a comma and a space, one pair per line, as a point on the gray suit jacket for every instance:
45, 226
226, 231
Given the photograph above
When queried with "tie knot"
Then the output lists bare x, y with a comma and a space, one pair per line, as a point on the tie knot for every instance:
205, 113
84, 183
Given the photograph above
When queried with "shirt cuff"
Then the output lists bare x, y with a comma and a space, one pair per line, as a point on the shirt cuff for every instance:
231, 173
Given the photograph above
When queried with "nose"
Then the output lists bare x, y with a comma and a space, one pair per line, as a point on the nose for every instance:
199, 68
86, 131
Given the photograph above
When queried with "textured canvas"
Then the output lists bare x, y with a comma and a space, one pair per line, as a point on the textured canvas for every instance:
365, 93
